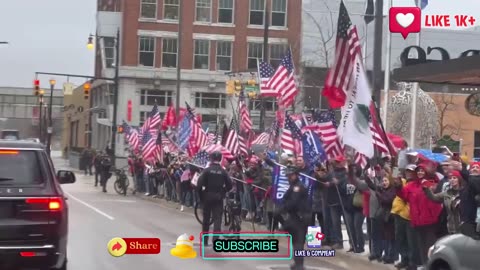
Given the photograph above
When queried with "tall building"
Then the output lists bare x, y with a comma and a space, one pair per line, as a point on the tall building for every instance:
218, 36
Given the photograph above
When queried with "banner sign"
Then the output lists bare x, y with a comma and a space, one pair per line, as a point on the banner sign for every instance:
281, 185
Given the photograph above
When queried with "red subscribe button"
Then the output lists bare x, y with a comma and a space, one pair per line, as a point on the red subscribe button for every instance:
120, 246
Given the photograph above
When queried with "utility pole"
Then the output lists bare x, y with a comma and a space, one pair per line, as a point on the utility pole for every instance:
265, 59
115, 96
377, 49
179, 57
50, 121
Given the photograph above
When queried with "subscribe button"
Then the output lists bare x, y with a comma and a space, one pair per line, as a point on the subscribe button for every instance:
120, 246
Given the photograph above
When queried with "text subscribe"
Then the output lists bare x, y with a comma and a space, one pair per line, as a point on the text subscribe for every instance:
247, 246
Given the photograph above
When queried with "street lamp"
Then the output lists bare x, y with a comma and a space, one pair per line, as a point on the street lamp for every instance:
50, 122
90, 46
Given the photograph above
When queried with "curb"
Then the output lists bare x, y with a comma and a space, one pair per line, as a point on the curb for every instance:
341, 254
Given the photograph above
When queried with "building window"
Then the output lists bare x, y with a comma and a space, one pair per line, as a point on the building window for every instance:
270, 105
255, 51
148, 9
203, 10
476, 145
149, 97
277, 52
257, 10
143, 116
170, 9
224, 55
202, 54
20, 99
109, 48
169, 52
210, 100
147, 51
225, 11
279, 13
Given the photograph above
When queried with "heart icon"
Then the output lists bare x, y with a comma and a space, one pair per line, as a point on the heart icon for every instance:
405, 20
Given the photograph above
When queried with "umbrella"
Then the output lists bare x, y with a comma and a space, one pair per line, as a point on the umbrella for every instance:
426, 154
220, 148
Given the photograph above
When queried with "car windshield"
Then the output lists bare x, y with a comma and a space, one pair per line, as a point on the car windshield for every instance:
19, 168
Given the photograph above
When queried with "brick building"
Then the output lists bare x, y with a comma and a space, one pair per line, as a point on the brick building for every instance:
218, 36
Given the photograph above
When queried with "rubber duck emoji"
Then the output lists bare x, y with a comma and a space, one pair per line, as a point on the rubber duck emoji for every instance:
184, 247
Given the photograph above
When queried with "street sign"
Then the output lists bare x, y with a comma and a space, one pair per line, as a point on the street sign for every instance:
49, 130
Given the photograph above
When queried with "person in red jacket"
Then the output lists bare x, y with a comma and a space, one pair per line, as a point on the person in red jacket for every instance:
424, 213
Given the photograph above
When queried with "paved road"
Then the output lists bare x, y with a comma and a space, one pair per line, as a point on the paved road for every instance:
95, 218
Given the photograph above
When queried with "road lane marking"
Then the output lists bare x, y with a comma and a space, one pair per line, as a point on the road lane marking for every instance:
90, 206
116, 201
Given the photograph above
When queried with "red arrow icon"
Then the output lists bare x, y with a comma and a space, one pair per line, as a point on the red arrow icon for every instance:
117, 246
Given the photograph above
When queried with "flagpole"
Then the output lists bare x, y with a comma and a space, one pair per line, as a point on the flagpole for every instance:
386, 81
413, 115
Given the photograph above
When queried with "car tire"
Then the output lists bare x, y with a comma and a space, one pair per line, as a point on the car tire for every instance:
64, 265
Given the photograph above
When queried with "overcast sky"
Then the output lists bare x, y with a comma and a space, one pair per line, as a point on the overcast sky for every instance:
51, 36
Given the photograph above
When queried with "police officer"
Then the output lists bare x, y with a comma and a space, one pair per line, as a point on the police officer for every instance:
105, 174
295, 203
212, 186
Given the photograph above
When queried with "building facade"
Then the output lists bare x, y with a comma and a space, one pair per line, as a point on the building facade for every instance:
76, 120
218, 37
20, 110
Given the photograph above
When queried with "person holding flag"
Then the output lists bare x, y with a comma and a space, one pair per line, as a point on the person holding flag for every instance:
296, 204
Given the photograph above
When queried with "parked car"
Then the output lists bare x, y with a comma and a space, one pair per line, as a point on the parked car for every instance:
33, 208
454, 252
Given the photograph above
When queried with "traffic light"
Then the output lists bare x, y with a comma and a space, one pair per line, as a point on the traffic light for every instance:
86, 89
36, 87
120, 130
238, 85
252, 82
230, 87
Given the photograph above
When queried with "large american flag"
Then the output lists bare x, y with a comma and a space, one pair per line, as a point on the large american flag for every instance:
245, 121
153, 119
346, 49
326, 127
283, 81
380, 140
262, 138
291, 136
148, 146
265, 72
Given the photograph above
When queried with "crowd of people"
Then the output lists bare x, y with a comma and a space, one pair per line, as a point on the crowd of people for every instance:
405, 209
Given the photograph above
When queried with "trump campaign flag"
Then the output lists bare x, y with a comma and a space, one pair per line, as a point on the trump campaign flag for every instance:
281, 184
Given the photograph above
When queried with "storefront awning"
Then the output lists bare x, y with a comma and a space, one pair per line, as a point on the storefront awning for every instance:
463, 71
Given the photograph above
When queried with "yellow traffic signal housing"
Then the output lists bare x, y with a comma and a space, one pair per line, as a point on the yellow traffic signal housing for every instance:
230, 87
238, 85
252, 82
86, 89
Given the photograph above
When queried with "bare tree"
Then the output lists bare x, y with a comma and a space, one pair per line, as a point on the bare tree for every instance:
446, 105
327, 32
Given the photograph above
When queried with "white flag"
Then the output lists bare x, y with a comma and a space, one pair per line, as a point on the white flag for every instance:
354, 128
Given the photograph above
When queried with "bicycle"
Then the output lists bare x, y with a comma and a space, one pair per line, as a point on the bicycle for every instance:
121, 183
232, 215
198, 210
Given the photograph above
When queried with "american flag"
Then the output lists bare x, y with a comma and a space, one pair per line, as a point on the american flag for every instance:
153, 119
198, 137
235, 143
262, 138
148, 146
219, 148
201, 158
361, 159
283, 81
265, 72
211, 138
291, 136
347, 47
380, 139
326, 126
245, 121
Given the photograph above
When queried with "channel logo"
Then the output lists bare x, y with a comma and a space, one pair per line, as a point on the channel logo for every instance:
405, 20
118, 247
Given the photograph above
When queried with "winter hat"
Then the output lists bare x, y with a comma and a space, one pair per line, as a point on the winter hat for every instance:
456, 174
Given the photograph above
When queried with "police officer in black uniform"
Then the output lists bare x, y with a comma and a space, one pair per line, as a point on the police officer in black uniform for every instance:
296, 205
212, 185
105, 174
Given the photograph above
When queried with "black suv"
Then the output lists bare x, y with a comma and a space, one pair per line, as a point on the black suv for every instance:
33, 208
